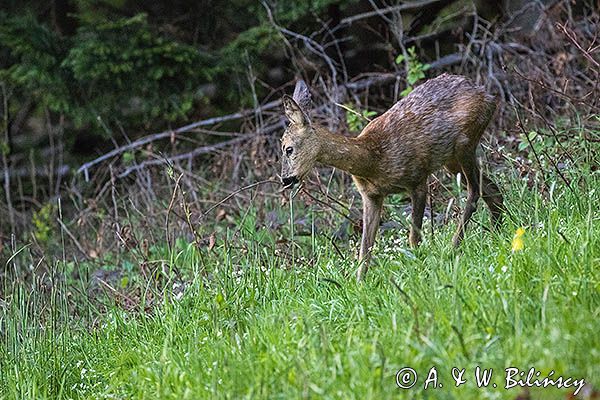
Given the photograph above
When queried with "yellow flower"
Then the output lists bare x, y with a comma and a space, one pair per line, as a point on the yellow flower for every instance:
517, 242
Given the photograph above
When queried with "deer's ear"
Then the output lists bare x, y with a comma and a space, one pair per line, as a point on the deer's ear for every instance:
293, 111
302, 95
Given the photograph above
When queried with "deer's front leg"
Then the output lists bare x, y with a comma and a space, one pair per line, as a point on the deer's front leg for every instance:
371, 215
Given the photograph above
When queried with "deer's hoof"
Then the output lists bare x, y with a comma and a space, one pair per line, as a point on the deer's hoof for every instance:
360, 273
359, 276
414, 242
456, 240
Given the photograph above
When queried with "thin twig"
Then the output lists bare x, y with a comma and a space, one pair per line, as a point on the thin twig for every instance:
352, 221
236, 192
353, 112
5, 152
171, 203
573, 39
73, 238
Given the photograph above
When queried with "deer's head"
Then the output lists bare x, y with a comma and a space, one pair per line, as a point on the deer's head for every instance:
299, 144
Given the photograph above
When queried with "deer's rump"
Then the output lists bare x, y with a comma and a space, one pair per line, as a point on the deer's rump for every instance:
436, 124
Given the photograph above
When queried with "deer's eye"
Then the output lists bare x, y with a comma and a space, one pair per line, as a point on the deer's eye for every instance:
288, 151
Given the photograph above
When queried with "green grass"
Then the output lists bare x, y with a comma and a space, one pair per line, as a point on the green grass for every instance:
251, 324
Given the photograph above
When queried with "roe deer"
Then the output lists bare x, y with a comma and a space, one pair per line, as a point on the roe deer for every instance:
439, 124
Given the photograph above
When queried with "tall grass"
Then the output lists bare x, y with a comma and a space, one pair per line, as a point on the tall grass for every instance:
252, 322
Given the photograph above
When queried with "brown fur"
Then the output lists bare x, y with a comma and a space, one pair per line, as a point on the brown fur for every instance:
439, 124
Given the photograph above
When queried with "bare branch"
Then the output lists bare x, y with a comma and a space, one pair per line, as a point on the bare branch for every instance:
402, 7
198, 151
571, 36
166, 134
379, 79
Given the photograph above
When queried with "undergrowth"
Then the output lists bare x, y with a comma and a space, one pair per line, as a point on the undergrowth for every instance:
261, 315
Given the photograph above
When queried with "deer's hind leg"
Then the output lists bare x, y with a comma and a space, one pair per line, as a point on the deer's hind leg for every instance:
493, 198
418, 197
490, 193
470, 171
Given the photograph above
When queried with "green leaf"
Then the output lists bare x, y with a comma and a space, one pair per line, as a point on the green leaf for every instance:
128, 157
523, 145
124, 282
220, 300
532, 135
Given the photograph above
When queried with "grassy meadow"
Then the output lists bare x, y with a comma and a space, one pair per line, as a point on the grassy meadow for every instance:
277, 313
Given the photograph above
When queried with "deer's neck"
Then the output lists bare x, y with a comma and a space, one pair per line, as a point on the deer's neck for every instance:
352, 155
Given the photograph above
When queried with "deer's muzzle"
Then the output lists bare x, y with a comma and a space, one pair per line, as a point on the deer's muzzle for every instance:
289, 182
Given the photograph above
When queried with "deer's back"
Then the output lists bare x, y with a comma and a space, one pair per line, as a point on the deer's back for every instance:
436, 123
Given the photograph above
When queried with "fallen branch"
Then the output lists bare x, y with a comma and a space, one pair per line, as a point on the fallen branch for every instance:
166, 134
379, 79
200, 150
191, 154
24, 172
